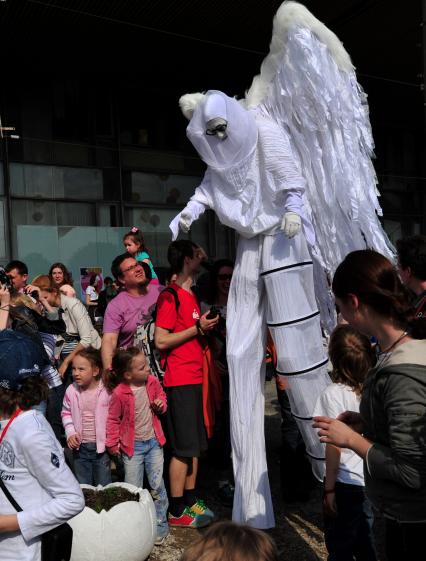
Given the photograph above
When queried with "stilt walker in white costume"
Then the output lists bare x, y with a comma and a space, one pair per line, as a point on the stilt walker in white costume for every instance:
289, 169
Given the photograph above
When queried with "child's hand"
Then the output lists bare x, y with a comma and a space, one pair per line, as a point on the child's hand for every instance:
114, 451
74, 441
329, 505
158, 406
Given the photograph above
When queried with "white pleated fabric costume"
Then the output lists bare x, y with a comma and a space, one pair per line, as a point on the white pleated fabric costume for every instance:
300, 143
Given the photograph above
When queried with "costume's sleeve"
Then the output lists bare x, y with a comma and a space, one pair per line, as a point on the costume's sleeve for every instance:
113, 424
198, 203
66, 415
404, 460
166, 311
46, 463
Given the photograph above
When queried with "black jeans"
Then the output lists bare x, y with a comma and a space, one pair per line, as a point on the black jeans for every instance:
349, 535
53, 412
405, 540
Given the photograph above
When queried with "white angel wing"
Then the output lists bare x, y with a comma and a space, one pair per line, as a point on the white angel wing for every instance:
308, 86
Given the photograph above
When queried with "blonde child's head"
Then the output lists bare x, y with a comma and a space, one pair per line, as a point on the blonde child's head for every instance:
228, 541
351, 355
133, 241
128, 366
87, 368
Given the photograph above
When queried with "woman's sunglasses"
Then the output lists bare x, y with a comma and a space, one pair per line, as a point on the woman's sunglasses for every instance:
224, 277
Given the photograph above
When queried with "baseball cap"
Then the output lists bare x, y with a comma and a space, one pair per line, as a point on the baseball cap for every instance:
20, 358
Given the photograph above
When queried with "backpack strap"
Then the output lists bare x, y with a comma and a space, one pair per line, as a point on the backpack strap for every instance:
9, 496
175, 295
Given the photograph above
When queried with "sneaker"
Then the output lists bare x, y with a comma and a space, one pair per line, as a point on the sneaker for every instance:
201, 509
162, 534
159, 540
189, 519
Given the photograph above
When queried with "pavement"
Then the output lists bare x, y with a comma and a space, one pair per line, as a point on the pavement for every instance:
298, 532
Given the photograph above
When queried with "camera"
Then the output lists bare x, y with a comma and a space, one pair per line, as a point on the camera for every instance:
34, 294
4, 279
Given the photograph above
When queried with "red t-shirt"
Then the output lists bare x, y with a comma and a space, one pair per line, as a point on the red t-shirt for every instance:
184, 364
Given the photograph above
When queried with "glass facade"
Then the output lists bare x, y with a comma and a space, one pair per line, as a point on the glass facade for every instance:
94, 156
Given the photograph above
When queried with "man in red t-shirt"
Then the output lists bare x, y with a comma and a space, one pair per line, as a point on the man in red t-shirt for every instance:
177, 335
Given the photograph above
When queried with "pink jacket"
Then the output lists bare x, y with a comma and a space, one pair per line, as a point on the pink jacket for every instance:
72, 416
121, 417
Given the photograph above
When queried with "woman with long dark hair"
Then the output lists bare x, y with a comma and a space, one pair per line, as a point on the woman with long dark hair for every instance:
61, 278
389, 433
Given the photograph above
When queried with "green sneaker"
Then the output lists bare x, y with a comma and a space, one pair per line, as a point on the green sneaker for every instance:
201, 509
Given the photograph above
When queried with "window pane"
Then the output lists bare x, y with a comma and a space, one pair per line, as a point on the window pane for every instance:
107, 215
30, 180
44, 213
55, 182
170, 189
2, 230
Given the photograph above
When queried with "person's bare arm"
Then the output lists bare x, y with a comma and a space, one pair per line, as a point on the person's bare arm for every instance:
68, 359
4, 306
8, 523
109, 344
332, 462
164, 340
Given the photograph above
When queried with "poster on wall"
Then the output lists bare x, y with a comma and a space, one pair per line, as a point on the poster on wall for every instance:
90, 276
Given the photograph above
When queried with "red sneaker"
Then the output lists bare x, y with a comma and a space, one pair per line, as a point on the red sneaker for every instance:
189, 519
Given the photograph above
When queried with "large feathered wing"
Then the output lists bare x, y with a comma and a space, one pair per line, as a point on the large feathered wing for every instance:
308, 86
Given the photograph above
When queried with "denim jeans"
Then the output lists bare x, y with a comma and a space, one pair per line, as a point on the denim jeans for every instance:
349, 536
149, 456
90, 467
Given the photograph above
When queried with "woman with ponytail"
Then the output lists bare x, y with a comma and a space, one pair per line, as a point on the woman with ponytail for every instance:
389, 433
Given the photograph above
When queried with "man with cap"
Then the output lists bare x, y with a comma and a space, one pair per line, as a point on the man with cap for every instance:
33, 472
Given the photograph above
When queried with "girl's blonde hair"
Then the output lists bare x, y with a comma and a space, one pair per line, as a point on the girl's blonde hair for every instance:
228, 541
93, 356
351, 355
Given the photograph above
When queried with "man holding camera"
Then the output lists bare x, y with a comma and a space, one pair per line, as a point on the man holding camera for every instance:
179, 330
17, 272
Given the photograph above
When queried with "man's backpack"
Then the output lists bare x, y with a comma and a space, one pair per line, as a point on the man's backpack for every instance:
144, 340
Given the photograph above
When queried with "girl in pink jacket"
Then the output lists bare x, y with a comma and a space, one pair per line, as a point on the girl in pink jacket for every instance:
134, 429
84, 416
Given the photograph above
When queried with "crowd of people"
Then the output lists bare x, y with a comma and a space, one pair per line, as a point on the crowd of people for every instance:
63, 385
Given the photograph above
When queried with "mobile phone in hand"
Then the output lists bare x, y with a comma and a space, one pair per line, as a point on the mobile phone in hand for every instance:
214, 312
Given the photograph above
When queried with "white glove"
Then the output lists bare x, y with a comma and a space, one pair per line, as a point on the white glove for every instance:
185, 222
291, 224
184, 219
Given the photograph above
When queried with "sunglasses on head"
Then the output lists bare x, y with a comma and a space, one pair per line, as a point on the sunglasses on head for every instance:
225, 276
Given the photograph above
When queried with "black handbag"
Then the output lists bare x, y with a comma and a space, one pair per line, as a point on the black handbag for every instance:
56, 544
